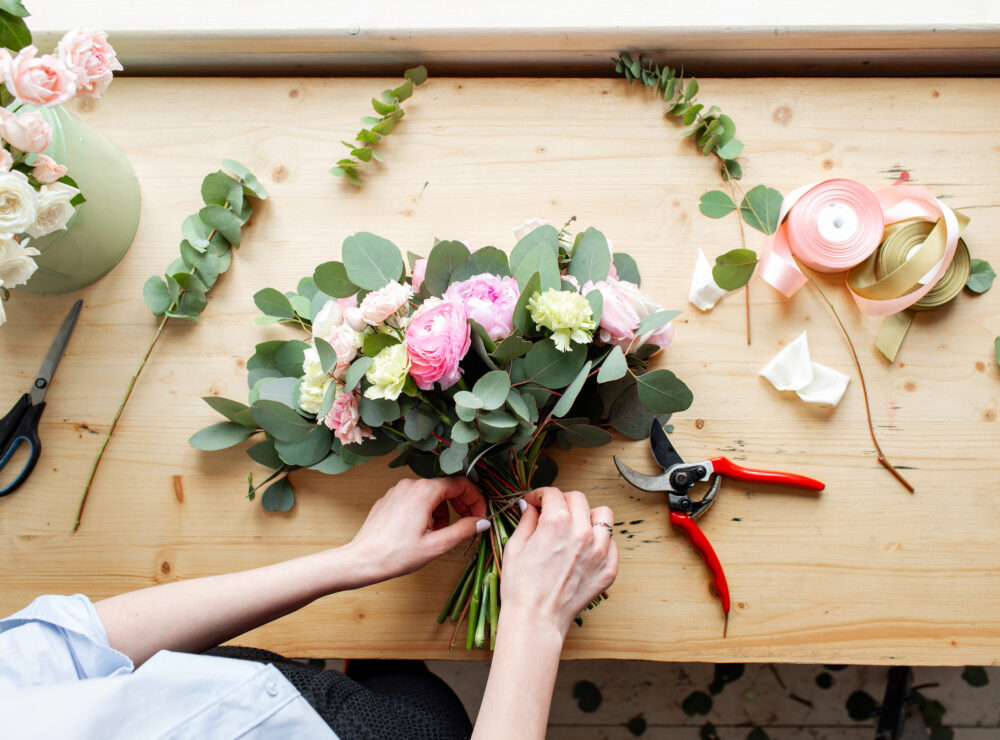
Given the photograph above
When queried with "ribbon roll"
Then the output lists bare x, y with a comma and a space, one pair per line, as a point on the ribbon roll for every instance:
830, 226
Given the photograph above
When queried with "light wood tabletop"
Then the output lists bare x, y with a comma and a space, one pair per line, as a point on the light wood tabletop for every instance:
863, 573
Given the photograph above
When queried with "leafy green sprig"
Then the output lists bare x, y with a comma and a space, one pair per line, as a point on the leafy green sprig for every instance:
375, 127
206, 253
14, 33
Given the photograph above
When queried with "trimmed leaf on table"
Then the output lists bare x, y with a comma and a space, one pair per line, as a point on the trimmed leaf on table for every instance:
734, 269
981, 276
279, 496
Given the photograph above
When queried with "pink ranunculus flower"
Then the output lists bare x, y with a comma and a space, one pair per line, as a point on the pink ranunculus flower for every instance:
345, 420
388, 303
5, 160
489, 300
43, 80
345, 342
27, 131
47, 170
419, 270
437, 339
624, 307
88, 55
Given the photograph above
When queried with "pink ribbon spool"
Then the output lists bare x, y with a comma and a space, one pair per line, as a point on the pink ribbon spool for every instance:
830, 226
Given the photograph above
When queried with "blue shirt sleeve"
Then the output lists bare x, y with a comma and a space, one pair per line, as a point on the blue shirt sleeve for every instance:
56, 639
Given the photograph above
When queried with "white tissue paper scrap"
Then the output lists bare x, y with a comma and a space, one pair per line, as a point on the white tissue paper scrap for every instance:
527, 227
793, 370
704, 293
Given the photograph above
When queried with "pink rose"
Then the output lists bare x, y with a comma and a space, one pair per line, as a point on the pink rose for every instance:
419, 270
345, 342
90, 58
26, 131
389, 301
344, 419
350, 302
5, 160
354, 319
47, 169
624, 307
436, 341
489, 300
40, 80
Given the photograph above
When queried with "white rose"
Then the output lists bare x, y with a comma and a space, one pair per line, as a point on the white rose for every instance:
16, 265
330, 316
314, 382
18, 203
3, 313
388, 302
345, 342
54, 210
6, 161
354, 319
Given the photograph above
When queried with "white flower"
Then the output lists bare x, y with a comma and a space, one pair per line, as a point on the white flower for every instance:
16, 265
354, 319
388, 373
3, 313
54, 209
314, 382
18, 203
330, 316
387, 304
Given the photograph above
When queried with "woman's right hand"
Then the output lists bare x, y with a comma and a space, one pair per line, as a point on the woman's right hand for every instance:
558, 560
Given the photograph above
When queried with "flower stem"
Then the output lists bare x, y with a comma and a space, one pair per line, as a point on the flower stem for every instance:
114, 422
864, 390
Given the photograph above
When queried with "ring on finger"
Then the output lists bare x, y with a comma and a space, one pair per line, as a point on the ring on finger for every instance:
604, 525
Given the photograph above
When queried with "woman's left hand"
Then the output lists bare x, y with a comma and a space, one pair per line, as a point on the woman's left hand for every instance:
408, 527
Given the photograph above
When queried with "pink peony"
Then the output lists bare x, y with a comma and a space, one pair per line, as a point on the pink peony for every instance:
489, 301
91, 59
624, 307
345, 342
345, 420
47, 170
391, 300
437, 339
419, 270
27, 131
40, 80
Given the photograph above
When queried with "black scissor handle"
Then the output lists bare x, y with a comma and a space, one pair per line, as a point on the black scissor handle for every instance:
17, 431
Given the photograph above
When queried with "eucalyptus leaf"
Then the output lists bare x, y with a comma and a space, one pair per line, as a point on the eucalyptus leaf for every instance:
220, 189
730, 150
591, 257
492, 389
369, 448
486, 260
760, 209
156, 295
541, 261
375, 343
371, 261
626, 268
308, 450
522, 317
263, 453
356, 372
565, 402
288, 360
586, 435
378, 411
418, 424
302, 306
468, 400
225, 406
220, 436
251, 185
444, 258
629, 417
545, 237
331, 278
332, 464
327, 355
329, 396
497, 420
547, 366
654, 321
662, 392
522, 405
307, 288
280, 421
223, 221
279, 496
511, 347
245, 418
596, 300
613, 367
273, 302
282, 390
452, 459
734, 269
417, 75
465, 432
980, 278
716, 204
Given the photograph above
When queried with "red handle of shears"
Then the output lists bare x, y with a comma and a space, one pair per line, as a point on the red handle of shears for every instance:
725, 466
687, 525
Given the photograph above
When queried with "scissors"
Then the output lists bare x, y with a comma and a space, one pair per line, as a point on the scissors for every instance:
679, 477
20, 425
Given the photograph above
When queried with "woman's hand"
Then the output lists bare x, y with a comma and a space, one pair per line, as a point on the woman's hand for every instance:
557, 561
408, 527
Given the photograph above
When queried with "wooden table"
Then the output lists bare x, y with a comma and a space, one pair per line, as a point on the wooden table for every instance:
865, 573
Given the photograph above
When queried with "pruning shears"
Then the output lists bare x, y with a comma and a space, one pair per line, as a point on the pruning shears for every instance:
679, 477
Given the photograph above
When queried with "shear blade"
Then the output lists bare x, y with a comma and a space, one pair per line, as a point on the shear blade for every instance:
641, 480
663, 450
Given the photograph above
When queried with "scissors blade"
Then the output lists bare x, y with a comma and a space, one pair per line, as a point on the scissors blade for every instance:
642, 481
663, 450
41, 384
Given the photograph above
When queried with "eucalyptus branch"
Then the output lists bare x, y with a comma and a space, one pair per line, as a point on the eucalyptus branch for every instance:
206, 252
390, 112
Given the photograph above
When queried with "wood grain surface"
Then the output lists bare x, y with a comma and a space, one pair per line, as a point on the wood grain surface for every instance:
864, 573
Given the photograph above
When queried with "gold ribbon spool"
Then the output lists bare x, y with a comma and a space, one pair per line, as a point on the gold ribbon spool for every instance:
899, 242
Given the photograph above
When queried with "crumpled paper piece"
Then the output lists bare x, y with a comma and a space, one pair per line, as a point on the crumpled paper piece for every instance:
527, 227
793, 370
704, 293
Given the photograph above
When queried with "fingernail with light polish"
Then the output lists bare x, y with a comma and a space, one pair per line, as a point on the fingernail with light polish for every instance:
522, 504
482, 525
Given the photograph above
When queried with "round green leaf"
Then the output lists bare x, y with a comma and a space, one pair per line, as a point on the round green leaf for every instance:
734, 269
371, 261
273, 302
452, 458
522, 316
280, 421
511, 347
263, 453
288, 359
585, 435
980, 279
486, 260
308, 450
492, 389
331, 278
225, 406
327, 355
279, 496
596, 301
332, 464
468, 400
541, 261
614, 366
375, 343
716, 204
156, 295
417, 75
377, 411
464, 432
443, 259
626, 268
591, 257
220, 436
655, 320
662, 392
223, 221
545, 236
550, 368
760, 208
283, 390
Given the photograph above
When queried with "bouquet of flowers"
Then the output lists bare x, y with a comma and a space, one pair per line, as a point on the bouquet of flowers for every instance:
37, 196
475, 363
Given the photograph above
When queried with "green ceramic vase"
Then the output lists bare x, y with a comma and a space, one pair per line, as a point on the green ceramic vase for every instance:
102, 229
